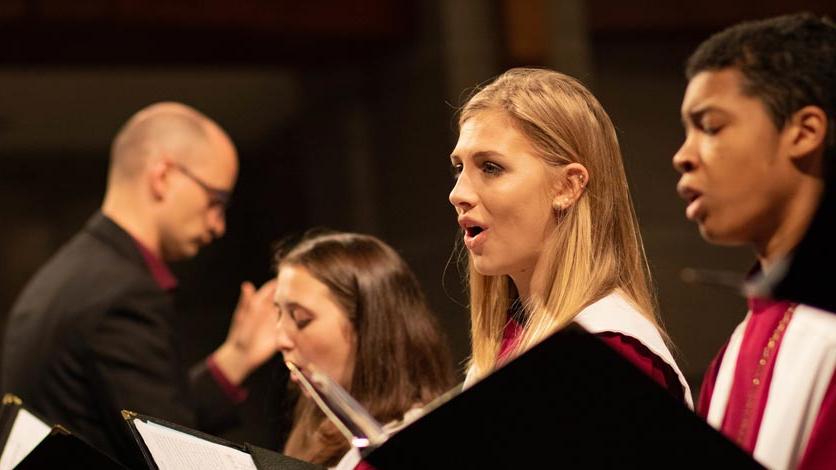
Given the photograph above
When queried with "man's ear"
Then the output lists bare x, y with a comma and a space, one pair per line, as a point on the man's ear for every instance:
572, 182
807, 129
158, 178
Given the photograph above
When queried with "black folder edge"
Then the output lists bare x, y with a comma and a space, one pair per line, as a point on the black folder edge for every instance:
9, 409
54, 448
11, 405
407, 441
8, 412
264, 459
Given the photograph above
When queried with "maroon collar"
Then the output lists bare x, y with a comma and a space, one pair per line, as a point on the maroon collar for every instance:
758, 304
158, 269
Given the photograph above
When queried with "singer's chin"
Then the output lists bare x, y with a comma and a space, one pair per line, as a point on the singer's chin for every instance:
706, 234
718, 236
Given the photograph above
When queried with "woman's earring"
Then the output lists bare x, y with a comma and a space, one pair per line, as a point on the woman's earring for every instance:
561, 205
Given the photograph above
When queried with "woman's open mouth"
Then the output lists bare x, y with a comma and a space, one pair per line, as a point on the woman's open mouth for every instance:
474, 238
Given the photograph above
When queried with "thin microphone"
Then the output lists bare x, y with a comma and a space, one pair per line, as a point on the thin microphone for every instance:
713, 277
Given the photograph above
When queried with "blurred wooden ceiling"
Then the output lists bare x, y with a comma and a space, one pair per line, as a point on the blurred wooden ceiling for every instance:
664, 18
198, 31
308, 31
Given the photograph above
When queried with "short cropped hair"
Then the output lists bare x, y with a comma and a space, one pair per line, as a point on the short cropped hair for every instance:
788, 62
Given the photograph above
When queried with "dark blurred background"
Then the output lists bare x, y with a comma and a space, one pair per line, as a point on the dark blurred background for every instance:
343, 114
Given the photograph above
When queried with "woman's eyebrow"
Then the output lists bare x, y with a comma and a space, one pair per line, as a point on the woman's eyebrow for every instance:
293, 305
479, 154
289, 306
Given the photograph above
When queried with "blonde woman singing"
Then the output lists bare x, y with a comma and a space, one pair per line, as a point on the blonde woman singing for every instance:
552, 238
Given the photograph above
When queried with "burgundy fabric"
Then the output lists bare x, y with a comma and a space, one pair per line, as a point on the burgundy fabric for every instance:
510, 335
648, 362
820, 452
747, 399
630, 348
234, 392
158, 269
821, 447
708, 381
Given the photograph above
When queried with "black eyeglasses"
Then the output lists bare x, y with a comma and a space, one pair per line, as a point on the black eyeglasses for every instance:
217, 197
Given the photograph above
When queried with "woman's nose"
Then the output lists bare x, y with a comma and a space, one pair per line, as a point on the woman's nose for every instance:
462, 196
284, 342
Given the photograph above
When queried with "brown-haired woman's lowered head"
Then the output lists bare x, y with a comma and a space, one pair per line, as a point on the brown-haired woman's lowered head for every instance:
349, 304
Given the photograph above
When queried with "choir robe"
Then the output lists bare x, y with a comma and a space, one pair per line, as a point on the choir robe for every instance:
792, 406
619, 324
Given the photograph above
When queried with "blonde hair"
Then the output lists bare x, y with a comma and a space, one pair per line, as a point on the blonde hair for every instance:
596, 247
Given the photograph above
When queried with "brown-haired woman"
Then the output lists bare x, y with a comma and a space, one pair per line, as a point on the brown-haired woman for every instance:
549, 227
350, 305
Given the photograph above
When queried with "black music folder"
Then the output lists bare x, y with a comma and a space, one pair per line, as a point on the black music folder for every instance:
30, 442
569, 402
167, 445
21, 430
63, 449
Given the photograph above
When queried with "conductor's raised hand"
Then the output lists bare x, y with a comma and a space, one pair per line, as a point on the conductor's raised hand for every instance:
251, 339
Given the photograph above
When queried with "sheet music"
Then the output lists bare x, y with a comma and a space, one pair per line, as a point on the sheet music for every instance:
27, 432
172, 449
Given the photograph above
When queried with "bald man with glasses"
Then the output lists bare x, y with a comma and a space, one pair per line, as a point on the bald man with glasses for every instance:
90, 334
